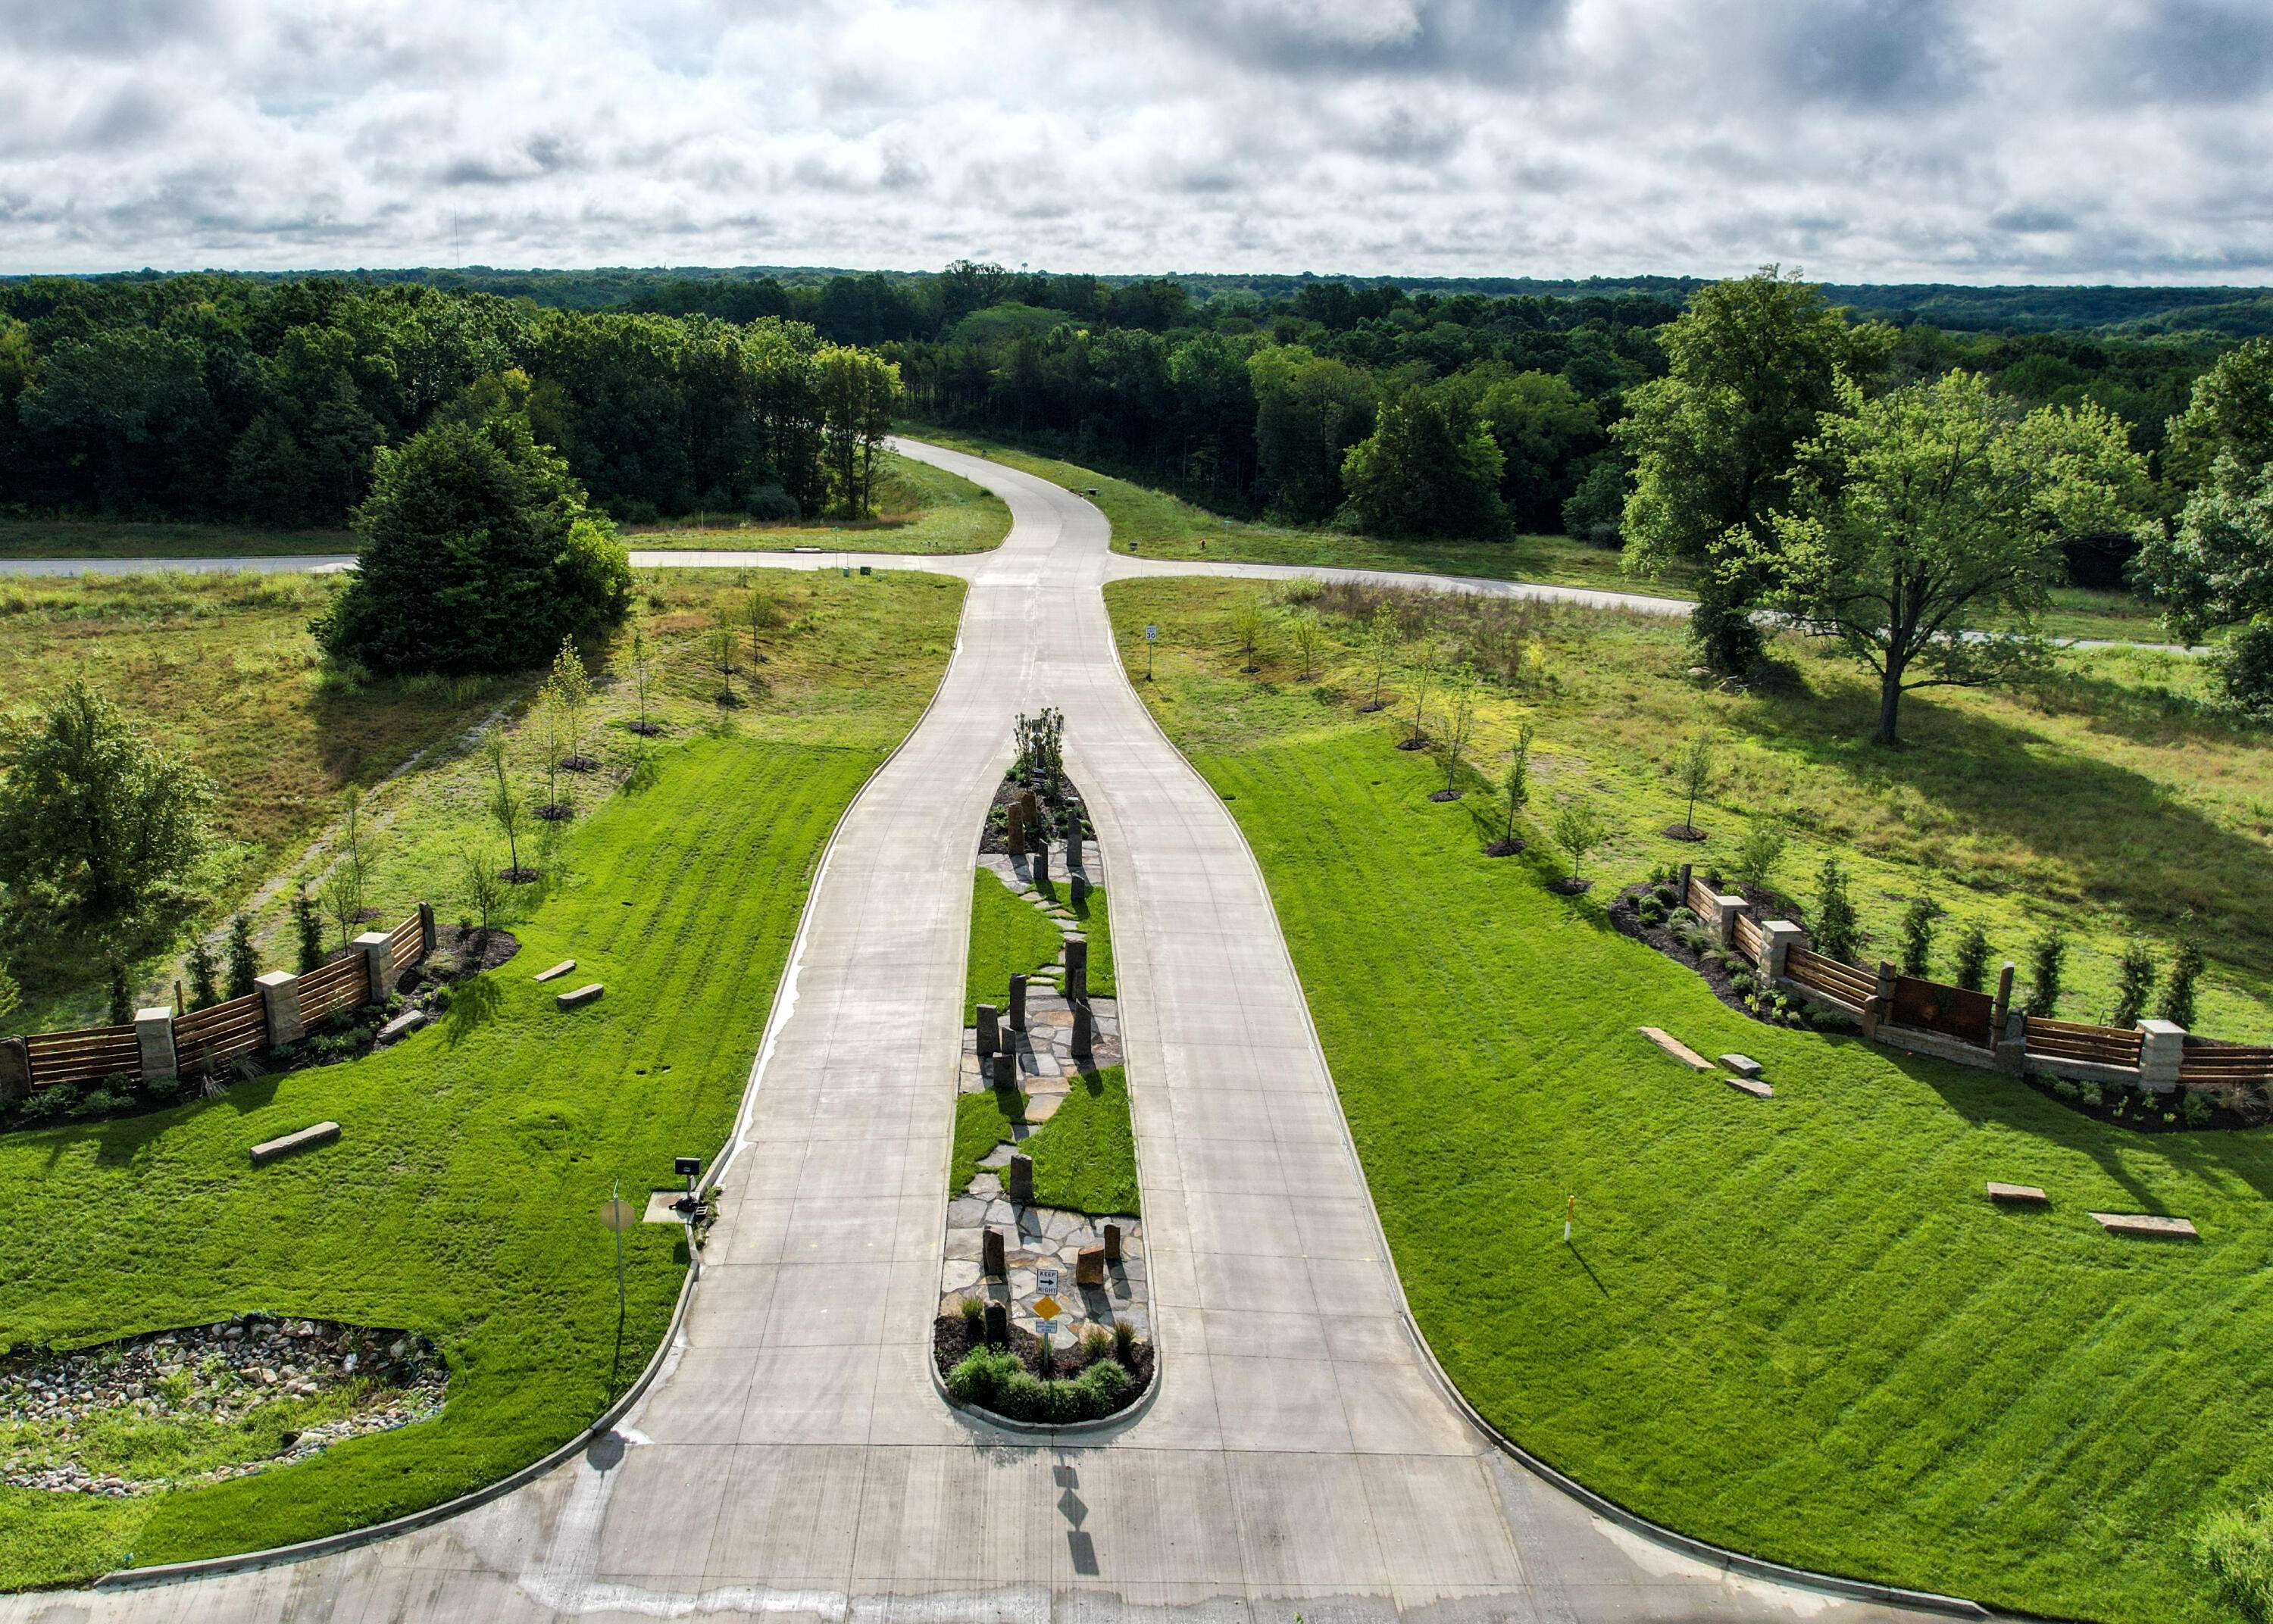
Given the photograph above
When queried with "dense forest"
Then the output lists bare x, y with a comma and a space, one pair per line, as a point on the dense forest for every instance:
262, 398
218, 396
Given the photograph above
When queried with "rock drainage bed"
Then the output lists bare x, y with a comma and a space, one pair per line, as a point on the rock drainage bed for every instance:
209, 1402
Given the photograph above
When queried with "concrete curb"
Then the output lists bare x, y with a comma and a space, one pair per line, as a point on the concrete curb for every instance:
1718, 1556
348, 1539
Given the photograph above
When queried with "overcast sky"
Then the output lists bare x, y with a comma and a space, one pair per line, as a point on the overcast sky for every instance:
1962, 140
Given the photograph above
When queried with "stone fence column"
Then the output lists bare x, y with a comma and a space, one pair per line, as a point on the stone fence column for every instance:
1728, 908
1783, 936
2162, 1044
279, 1002
153, 1029
15, 1070
379, 964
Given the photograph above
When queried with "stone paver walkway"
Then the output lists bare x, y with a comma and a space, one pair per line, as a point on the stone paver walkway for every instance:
793, 1460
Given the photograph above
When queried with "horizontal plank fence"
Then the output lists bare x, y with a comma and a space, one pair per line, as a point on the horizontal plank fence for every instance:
1828, 978
1751, 942
2206, 1063
206, 1041
2075, 1040
1954, 1012
84, 1056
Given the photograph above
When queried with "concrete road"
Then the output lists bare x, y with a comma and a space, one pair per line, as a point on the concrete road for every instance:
794, 1460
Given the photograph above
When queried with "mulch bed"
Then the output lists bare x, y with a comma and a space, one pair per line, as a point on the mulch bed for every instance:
952, 1336
1413, 744
1626, 919
2142, 1113
1682, 831
1053, 811
1445, 795
1504, 848
1569, 887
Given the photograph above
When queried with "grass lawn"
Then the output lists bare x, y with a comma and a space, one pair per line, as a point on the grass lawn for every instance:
222, 668
1794, 1326
463, 1199
1009, 937
2112, 798
920, 509
1084, 1156
109, 538
1162, 526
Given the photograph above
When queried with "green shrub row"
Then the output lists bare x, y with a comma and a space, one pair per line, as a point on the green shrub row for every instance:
992, 1378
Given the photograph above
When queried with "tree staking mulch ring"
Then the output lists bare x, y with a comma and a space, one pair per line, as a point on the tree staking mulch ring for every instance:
1421, 742
1504, 848
1445, 795
555, 811
1569, 887
579, 764
645, 730
1371, 706
1682, 831
519, 876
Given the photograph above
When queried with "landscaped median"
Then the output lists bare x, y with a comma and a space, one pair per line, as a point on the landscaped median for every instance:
1794, 1326
1045, 1312
463, 1201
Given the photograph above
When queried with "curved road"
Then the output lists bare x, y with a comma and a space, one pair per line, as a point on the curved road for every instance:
794, 1461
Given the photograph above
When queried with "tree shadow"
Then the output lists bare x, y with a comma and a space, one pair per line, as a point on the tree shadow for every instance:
474, 1004
2126, 837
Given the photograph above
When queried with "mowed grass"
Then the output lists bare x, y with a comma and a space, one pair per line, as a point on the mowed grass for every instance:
920, 509
1009, 937
2112, 798
114, 538
1794, 1327
463, 1199
223, 668
1085, 1155
1157, 525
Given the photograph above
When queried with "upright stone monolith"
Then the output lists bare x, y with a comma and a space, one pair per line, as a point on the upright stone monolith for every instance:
990, 1035
997, 1325
1018, 1003
1112, 1242
1022, 1179
1077, 962
1042, 861
994, 1262
1006, 1069
1085, 1031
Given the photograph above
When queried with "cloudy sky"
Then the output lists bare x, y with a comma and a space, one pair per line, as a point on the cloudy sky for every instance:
2011, 141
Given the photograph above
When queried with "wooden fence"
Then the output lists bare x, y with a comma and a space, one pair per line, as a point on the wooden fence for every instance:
207, 1041
2206, 1063
2075, 1040
1936, 1006
1828, 978
1751, 942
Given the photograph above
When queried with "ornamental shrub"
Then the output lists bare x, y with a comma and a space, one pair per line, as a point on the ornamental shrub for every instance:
2047, 958
1834, 914
978, 1376
1972, 957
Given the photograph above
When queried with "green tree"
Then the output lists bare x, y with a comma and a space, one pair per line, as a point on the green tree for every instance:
1925, 534
1460, 722
1595, 511
1308, 412
1693, 771
479, 555
2178, 1002
1834, 916
2047, 958
308, 931
115, 392
1751, 364
1579, 828
1972, 960
506, 808
204, 974
243, 957
12, 996
2134, 983
857, 390
569, 689
1541, 426
1424, 471
1919, 920
1428, 662
100, 829
1385, 638
1518, 784
1759, 854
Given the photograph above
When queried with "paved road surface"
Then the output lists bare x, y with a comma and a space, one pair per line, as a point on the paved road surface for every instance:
795, 1461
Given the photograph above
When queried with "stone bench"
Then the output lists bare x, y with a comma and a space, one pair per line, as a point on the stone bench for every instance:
1752, 1086
305, 1138
2145, 1223
1743, 1065
1675, 1047
580, 996
2016, 1195
557, 971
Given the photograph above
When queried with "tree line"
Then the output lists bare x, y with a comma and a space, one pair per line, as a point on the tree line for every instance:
220, 397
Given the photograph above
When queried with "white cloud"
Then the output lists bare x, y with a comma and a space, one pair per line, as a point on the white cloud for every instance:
1879, 139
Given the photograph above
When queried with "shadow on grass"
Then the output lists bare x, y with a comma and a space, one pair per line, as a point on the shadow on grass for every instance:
474, 1004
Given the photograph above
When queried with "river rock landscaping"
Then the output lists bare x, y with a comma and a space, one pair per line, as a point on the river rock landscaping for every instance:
199, 1405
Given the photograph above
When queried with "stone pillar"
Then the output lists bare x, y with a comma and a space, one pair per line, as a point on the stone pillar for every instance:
1018, 1003
153, 1029
1006, 1069
994, 1256
997, 1325
1728, 908
1022, 1179
1783, 936
378, 965
1112, 1242
425, 930
1042, 859
1681, 899
279, 1002
990, 1036
2008, 1028
15, 1070
1085, 1031
2161, 1045
1076, 976
1014, 828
